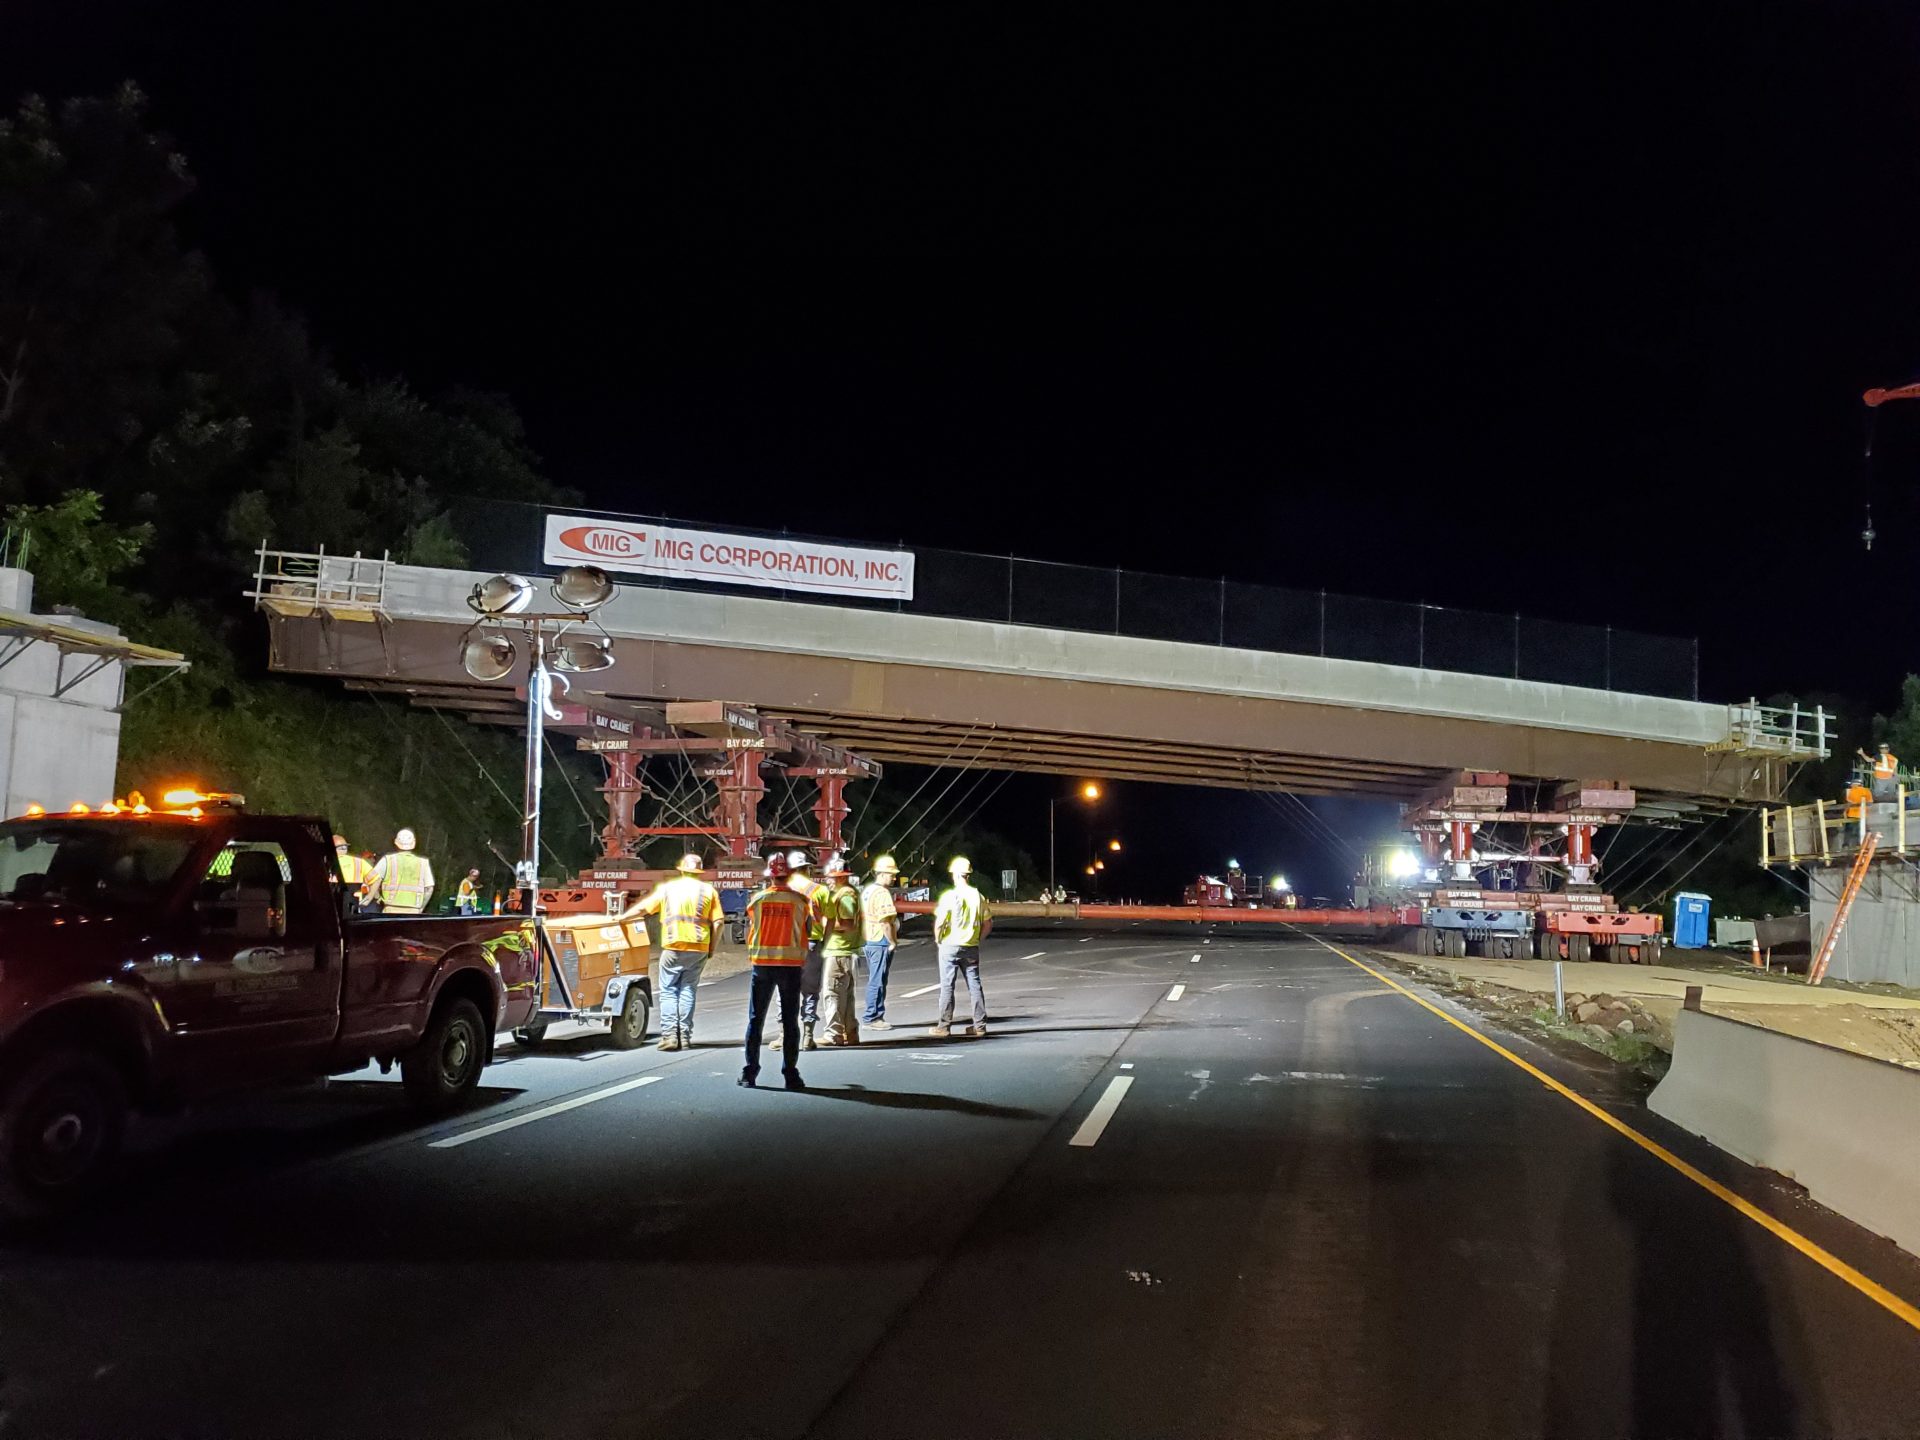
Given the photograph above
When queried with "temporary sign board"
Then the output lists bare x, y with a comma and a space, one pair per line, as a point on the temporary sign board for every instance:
1009, 881
636, 547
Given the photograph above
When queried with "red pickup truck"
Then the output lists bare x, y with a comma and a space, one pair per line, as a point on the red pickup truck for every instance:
154, 957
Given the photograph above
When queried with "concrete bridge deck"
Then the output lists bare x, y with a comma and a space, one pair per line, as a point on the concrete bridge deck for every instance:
932, 690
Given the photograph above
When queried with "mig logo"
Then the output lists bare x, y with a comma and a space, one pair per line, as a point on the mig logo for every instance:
605, 540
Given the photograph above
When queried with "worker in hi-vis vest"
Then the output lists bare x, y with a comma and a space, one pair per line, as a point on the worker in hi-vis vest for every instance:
401, 882
1886, 773
960, 922
777, 923
690, 916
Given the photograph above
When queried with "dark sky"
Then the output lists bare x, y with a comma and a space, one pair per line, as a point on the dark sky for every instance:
1561, 308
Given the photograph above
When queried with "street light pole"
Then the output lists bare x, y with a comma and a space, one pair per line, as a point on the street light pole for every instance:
529, 868
1052, 878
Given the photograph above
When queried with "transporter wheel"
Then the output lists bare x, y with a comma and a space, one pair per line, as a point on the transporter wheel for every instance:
1652, 949
1505, 947
1546, 945
1456, 943
1579, 946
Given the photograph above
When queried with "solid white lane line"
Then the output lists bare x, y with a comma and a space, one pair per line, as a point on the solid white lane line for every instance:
1176, 992
923, 990
1095, 1124
1035, 956
558, 1108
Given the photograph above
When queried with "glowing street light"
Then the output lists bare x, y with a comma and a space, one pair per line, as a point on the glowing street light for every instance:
1403, 864
1114, 846
1087, 791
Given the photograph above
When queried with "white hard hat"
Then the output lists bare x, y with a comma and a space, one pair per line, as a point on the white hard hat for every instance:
691, 863
960, 865
885, 866
403, 840
797, 860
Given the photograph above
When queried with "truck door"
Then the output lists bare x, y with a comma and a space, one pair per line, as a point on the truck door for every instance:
257, 992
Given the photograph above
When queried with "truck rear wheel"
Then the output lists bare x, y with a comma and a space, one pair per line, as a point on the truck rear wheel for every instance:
630, 1029
61, 1125
1579, 946
444, 1068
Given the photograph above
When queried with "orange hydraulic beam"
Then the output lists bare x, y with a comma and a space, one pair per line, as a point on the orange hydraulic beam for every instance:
1198, 914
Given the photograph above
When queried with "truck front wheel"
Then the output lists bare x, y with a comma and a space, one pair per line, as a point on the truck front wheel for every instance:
444, 1068
61, 1124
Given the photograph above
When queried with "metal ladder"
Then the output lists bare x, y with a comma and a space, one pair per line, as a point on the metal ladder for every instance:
1849, 892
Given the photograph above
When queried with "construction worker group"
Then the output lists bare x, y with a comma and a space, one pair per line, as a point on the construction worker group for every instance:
805, 939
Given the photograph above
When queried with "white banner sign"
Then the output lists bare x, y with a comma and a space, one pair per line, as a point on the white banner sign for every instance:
641, 548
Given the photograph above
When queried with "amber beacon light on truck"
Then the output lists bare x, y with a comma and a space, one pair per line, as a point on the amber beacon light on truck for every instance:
188, 802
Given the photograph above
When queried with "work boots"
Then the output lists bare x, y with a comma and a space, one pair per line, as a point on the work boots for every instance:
669, 1041
806, 1037
794, 1082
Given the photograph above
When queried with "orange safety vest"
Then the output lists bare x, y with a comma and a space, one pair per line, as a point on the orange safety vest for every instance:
777, 923
688, 908
1886, 767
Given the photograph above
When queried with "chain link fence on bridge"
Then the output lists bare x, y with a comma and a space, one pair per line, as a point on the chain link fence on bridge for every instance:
1008, 589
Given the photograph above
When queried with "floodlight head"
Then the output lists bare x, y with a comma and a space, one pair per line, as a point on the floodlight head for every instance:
582, 587
502, 595
487, 657
582, 654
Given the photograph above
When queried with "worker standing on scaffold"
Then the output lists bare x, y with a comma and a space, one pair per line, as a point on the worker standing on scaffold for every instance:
1886, 774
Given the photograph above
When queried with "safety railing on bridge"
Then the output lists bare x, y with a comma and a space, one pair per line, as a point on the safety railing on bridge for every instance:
1010, 589
297, 582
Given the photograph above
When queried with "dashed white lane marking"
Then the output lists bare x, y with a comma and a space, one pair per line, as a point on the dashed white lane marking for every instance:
1085, 938
1176, 992
923, 990
1194, 961
558, 1108
1095, 1124
1126, 1064
1035, 956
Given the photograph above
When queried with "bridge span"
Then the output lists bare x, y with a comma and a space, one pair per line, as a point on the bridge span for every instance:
931, 689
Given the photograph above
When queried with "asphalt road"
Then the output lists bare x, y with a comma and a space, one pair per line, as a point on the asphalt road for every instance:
1283, 1201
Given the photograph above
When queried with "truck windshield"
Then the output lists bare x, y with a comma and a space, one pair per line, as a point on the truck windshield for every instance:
90, 862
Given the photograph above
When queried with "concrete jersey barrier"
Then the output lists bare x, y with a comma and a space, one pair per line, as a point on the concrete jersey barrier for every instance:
1845, 1126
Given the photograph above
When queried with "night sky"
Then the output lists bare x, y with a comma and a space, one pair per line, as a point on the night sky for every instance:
1559, 308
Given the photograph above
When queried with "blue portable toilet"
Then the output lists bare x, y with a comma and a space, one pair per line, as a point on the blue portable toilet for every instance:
1691, 913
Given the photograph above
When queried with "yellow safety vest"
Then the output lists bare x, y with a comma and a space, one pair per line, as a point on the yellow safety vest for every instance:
961, 918
840, 920
353, 869
688, 908
403, 886
816, 895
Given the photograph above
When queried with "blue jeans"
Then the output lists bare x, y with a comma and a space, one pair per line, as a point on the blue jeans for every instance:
879, 958
766, 980
956, 960
679, 983
810, 974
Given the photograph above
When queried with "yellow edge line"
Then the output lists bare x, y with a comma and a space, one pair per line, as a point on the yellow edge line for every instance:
1824, 1258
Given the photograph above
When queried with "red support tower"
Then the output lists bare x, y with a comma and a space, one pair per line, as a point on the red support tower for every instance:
625, 785
830, 808
736, 813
